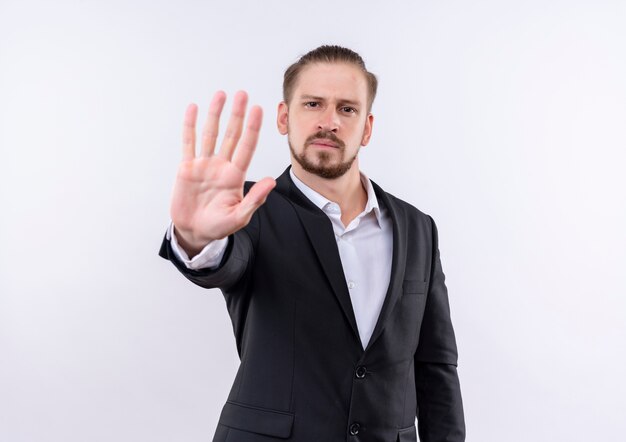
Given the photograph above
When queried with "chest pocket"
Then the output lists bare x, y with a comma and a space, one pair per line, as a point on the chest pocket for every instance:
407, 434
413, 287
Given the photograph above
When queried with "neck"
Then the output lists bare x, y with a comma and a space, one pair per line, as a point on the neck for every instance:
347, 190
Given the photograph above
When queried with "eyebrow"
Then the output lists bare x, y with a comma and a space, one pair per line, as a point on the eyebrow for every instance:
341, 100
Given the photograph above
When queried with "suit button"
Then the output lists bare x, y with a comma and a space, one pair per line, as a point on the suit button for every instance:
354, 428
360, 372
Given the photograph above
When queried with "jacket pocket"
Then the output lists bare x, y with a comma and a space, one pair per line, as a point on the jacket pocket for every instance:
257, 420
412, 287
407, 434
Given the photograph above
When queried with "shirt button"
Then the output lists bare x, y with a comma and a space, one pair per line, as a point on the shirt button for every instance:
354, 428
351, 284
360, 372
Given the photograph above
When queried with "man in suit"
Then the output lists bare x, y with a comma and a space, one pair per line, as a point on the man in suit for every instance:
334, 287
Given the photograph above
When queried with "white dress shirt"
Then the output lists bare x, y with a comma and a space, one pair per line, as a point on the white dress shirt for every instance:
365, 249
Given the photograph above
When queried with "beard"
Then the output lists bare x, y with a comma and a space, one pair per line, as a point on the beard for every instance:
323, 168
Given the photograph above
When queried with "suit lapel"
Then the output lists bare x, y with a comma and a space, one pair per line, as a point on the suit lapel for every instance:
320, 232
319, 229
398, 262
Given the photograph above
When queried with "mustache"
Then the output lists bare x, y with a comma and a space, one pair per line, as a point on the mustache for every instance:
325, 134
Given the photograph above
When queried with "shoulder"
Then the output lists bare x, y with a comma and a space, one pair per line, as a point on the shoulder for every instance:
406, 206
402, 209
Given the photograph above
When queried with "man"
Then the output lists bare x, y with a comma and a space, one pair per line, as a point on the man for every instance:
334, 287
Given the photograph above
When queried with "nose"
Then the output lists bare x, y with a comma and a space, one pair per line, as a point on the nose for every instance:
329, 120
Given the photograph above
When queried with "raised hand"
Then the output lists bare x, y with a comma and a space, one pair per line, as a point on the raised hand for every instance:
208, 201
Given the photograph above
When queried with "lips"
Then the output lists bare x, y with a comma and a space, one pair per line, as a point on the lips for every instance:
324, 142
325, 139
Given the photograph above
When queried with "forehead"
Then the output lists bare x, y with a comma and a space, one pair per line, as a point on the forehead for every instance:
332, 81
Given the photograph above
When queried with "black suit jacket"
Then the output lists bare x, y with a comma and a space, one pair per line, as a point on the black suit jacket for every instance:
304, 375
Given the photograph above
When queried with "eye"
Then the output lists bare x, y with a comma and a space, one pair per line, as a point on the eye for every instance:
311, 104
349, 110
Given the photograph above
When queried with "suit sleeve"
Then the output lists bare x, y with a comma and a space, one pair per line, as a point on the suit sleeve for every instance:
236, 261
230, 275
439, 405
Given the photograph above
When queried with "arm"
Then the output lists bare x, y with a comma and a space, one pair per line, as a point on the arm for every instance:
208, 201
439, 405
237, 256
209, 257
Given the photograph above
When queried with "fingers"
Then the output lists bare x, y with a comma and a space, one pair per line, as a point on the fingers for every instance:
235, 124
255, 198
189, 132
248, 143
233, 130
211, 126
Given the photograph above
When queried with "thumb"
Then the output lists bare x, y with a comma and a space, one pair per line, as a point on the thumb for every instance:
255, 197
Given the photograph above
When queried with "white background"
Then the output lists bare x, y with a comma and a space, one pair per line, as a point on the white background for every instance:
504, 120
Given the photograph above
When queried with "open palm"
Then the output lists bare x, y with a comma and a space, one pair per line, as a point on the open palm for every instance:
208, 201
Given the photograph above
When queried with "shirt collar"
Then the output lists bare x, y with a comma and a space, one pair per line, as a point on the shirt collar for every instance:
321, 201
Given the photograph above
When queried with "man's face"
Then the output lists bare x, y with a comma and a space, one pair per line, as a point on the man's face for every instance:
327, 120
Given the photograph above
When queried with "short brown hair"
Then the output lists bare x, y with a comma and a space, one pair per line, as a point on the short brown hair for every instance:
329, 54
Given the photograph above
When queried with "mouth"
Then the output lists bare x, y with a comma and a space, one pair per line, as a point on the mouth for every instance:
323, 143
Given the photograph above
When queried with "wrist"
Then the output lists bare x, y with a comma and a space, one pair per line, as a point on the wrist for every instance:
189, 242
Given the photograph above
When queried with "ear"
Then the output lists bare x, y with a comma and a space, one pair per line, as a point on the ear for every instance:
282, 118
367, 130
